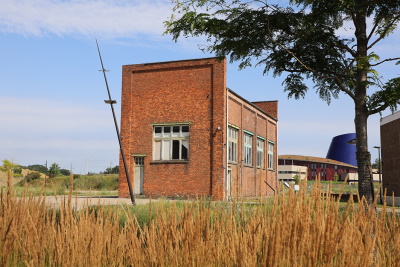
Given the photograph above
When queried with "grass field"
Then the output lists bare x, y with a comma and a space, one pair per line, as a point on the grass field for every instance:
292, 229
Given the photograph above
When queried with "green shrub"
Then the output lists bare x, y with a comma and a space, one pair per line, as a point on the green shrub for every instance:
32, 176
96, 182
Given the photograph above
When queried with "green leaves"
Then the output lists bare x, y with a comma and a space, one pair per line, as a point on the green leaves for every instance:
300, 40
388, 97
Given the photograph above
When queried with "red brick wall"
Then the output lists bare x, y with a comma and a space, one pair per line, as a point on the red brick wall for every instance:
270, 107
182, 91
248, 181
390, 142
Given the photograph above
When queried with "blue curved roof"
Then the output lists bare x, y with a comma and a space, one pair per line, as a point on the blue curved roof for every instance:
343, 149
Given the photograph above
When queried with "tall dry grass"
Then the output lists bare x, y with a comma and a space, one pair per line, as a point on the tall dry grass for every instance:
294, 230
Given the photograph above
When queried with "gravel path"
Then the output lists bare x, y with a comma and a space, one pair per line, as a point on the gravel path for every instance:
82, 201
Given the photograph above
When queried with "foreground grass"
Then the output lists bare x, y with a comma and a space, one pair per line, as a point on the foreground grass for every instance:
289, 230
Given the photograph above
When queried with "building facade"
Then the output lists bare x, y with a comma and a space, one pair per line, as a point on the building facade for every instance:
287, 173
188, 135
390, 148
322, 168
343, 149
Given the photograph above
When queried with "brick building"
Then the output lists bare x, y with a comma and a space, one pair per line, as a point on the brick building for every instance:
323, 168
390, 145
189, 135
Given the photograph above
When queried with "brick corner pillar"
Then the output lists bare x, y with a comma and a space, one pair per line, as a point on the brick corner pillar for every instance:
218, 130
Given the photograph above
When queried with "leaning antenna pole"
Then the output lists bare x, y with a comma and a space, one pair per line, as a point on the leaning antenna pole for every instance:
111, 102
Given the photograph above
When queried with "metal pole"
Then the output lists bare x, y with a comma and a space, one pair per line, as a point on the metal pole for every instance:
380, 173
111, 102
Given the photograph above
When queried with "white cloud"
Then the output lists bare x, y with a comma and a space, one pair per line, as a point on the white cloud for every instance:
106, 18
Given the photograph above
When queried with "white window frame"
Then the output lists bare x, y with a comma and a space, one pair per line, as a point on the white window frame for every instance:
171, 142
248, 148
271, 146
233, 134
260, 151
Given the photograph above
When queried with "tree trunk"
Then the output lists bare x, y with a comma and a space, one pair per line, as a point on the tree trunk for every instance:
365, 185
365, 181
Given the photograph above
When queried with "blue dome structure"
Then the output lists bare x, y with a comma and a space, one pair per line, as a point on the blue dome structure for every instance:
343, 149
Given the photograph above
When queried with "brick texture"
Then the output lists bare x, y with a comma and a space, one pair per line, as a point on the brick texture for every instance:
193, 92
390, 142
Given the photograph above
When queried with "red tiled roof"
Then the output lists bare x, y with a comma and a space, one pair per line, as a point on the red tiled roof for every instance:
315, 159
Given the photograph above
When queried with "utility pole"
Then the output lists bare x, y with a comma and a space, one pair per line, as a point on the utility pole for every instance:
380, 173
111, 102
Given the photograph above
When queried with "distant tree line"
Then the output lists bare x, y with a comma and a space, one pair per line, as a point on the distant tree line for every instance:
112, 170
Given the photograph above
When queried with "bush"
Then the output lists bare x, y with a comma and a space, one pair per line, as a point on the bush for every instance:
97, 182
32, 176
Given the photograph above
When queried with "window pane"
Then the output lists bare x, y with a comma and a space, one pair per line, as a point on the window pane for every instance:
176, 131
157, 150
175, 149
157, 131
185, 149
185, 129
166, 150
167, 131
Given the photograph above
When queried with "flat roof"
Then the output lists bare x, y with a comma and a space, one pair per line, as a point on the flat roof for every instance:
390, 118
315, 159
174, 61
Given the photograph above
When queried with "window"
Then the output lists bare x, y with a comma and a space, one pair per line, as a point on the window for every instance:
260, 152
171, 142
270, 155
248, 147
232, 144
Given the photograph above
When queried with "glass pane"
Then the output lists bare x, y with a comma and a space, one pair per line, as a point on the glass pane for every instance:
176, 131
175, 149
166, 150
185, 149
157, 131
167, 131
157, 150
185, 131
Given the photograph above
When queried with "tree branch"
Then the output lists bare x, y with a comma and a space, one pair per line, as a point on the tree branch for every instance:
388, 59
343, 88
381, 108
385, 31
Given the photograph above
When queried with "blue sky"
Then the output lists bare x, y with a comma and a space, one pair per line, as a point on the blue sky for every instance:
51, 91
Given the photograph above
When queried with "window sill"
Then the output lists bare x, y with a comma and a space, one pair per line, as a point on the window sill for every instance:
174, 161
249, 166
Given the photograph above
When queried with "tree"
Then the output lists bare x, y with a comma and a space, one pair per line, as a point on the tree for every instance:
65, 172
39, 168
54, 170
112, 170
375, 165
10, 168
302, 41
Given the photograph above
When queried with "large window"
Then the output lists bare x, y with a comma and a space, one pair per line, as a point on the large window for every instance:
260, 152
248, 148
171, 142
232, 144
270, 155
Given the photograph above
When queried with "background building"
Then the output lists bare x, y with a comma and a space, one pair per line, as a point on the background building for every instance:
189, 135
326, 169
288, 172
343, 149
390, 148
